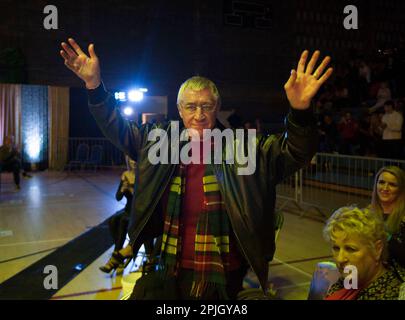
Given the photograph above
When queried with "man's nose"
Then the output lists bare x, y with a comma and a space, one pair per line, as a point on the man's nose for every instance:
198, 115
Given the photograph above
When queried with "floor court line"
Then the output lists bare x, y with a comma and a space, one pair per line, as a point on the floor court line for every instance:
293, 268
301, 260
302, 284
85, 293
34, 242
27, 255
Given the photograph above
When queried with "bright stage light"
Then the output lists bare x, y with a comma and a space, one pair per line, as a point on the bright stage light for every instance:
33, 144
128, 111
135, 95
120, 96
143, 90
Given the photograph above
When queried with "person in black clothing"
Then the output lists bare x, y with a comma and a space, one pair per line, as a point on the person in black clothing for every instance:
365, 137
119, 222
10, 160
328, 135
188, 219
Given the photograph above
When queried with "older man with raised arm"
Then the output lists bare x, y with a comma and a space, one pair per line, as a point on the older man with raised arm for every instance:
214, 222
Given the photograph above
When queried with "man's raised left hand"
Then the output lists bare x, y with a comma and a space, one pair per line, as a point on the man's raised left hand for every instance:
304, 83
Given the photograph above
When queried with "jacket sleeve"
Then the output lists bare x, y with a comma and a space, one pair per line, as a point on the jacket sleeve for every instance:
294, 149
124, 134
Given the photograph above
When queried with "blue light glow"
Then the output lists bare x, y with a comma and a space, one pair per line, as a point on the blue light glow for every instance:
33, 144
34, 123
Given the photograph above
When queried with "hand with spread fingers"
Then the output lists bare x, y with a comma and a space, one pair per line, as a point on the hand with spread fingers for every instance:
304, 82
86, 67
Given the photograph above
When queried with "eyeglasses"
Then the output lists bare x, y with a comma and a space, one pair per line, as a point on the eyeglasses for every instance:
192, 108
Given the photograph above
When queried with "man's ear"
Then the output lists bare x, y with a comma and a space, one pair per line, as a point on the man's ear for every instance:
379, 248
179, 109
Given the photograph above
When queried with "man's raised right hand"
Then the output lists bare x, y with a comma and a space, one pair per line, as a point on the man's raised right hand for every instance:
85, 67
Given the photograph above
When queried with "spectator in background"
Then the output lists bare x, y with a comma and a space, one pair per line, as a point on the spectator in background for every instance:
364, 134
392, 135
376, 131
10, 160
328, 95
383, 95
341, 96
328, 135
348, 128
388, 200
358, 238
248, 125
364, 71
119, 222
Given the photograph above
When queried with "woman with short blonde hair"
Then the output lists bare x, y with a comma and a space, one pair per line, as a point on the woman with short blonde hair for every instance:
358, 240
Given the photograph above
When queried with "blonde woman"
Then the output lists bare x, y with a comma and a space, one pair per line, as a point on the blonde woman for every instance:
388, 200
358, 240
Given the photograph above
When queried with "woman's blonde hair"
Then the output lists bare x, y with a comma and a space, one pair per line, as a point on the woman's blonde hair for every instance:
364, 223
398, 213
198, 83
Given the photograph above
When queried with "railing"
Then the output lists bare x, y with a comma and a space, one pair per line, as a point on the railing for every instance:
111, 156
332, 181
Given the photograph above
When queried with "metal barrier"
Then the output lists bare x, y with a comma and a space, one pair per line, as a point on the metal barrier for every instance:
96, 150
332, 181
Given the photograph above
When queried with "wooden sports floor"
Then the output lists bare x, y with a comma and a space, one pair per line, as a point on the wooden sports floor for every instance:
53, 208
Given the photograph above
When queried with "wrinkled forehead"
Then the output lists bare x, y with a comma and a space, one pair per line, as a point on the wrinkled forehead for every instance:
197, 96
346, 237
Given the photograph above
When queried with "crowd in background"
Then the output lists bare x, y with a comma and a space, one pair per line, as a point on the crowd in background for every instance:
361, 111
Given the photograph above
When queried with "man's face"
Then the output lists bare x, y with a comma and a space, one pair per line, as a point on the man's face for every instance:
355, 251
198, 109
